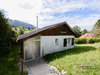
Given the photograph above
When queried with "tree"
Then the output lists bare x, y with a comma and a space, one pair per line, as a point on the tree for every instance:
16, 28
29, 28
84, 31
77, 29
5, 33
21, 30
96, 29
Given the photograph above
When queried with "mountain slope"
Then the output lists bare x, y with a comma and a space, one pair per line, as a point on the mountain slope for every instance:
20, 23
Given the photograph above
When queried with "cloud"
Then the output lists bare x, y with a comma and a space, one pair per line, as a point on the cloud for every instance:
25, 5
83, 22
94, 5
27, 10
52, 7
61, 6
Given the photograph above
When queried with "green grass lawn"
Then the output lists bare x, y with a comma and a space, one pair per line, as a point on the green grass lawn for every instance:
8, 64
84, 59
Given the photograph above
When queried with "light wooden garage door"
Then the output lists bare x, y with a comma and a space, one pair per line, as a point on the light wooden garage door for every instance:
32, 49
36, 49
28, 50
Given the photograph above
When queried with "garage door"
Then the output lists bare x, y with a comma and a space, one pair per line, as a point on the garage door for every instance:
36, 49
28, 50
32, 49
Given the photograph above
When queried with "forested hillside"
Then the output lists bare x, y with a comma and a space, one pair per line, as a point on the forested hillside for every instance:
16, 23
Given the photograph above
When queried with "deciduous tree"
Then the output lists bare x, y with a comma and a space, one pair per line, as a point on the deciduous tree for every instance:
21, 30
84, 31
77, 29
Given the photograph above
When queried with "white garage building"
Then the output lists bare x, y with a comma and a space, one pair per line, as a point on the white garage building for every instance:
49, 39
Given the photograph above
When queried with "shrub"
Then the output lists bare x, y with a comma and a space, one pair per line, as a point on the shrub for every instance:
80, 40
96, 39
86, 40
4, 51
93, 40
90, 41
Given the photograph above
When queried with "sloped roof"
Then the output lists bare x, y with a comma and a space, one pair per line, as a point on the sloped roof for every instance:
87, 35
44, 28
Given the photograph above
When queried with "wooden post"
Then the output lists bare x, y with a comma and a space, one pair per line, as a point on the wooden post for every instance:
22, 58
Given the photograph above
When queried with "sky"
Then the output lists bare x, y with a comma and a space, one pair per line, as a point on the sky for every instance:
83, 13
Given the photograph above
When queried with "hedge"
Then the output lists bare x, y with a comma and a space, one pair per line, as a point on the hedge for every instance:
86, 40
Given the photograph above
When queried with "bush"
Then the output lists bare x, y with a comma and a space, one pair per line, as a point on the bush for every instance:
86, 40
80, 40
96, 39
4, 51
90, 41
93, 40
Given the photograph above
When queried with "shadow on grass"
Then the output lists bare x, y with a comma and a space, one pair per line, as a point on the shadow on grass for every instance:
76, 50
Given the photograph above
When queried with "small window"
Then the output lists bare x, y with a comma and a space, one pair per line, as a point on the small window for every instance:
72, 41
56, 41
65, 43
63, 30
68, 40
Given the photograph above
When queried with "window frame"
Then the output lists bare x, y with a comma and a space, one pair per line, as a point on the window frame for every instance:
65, 42
68, 41
73, 41
56, 42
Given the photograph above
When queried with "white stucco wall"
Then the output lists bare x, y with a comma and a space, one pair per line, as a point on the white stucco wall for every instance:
48, 44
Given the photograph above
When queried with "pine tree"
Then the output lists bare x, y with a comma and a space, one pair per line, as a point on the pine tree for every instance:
5, 33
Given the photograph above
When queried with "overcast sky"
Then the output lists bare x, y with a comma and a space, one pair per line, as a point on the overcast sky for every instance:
83, 13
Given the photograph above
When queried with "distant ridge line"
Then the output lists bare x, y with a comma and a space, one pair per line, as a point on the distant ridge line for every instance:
20, 23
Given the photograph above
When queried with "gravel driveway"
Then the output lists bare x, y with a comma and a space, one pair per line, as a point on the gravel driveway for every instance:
37, 67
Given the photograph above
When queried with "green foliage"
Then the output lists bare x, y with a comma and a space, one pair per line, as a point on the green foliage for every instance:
5, 34
84, 59
97, 24
29, 28
5, 30
84, 31
15, 28
80, 40
8, 64
96, 29
77, 29
93, 40
86, 40
20, 30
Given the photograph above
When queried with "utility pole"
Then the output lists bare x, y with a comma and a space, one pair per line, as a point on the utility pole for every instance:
22, 59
